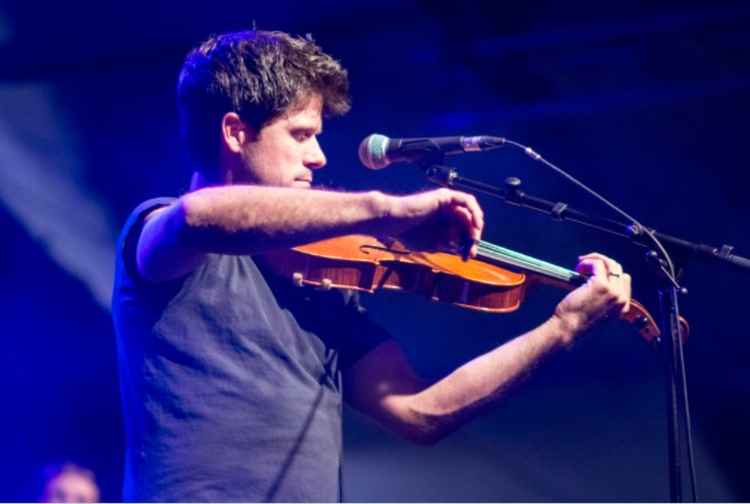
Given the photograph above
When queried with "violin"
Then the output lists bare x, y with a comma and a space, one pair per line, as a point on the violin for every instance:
496, 281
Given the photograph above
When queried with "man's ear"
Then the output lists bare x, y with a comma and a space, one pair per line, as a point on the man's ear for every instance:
234, 132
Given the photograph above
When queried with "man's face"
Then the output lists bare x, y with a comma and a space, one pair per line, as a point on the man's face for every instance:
286, 151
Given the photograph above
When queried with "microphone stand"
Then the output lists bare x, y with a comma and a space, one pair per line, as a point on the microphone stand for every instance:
671, 342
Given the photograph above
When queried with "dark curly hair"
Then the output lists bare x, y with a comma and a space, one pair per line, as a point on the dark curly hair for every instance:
258, 75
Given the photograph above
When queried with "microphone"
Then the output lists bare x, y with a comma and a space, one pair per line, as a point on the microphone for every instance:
378, 151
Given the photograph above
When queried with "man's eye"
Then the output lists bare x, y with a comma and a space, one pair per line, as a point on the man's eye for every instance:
301, 136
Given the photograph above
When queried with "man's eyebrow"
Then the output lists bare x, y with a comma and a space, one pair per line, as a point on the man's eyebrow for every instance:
317, 128
312, 129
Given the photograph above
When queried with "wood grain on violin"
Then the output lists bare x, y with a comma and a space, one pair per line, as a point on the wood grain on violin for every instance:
496, 281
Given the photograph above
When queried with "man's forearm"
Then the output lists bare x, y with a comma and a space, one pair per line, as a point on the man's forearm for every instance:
447, 404
249, 219
383, 384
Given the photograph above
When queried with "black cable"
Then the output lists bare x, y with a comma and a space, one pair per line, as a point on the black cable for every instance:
669, 273
640, 227
688, 423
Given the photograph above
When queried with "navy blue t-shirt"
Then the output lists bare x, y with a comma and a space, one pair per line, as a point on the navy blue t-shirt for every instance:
231, 380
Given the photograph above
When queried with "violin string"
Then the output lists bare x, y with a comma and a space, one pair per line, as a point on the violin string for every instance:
496, 252
512, 257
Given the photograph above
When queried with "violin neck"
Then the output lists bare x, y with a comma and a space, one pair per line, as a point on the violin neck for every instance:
547, 271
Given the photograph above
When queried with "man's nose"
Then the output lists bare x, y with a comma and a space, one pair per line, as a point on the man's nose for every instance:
314, 157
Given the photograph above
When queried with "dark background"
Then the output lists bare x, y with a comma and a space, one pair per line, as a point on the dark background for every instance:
648, 105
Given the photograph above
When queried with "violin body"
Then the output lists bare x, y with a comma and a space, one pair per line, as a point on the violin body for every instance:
496, 282
365, 263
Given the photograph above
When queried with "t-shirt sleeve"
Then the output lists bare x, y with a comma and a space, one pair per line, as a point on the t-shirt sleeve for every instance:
126, 247
364, 333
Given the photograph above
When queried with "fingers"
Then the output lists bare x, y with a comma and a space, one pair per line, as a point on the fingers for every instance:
608, 278
441, 219
593, 267
627, 284
465, 216
467, 242
466, 210
467, 204
613, 267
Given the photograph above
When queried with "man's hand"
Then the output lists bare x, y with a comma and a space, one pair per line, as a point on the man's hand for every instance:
606, 292
441, 219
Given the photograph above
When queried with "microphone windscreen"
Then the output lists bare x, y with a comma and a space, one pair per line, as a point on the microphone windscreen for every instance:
372, 151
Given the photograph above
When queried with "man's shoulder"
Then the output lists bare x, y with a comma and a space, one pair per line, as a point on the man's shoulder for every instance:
143, 209
130, 232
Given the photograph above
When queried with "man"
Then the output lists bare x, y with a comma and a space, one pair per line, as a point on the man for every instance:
232, 378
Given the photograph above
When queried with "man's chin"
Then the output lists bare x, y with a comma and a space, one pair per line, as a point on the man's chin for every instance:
301, 184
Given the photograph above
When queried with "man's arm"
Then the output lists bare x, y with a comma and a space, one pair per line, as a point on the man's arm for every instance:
383, 384
246, 219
